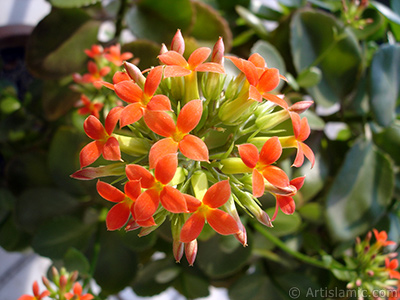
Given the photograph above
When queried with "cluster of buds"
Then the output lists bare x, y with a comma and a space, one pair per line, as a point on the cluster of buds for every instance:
188, 149
103, 62
353, 11
62, 287
374, 272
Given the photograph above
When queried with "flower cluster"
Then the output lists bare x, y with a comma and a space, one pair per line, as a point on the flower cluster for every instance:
373, 270
190, 145
63, 287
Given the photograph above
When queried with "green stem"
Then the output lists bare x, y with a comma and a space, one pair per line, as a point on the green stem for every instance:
311, 261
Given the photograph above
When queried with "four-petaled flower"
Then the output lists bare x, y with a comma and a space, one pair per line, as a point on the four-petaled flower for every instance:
157, 188
77, 293
94, 76
103, 144
95, 51
113, 54
177, 136
382, 238
141, 100
391, 266
301, 131
261, 163
37, 295
207, 209
89, 107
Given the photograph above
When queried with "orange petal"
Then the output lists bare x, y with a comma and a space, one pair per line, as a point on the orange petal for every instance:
298, 182
159, 149
111, 149
131, 114
275, 99
166, 168
120, 76
147, 223
146, 205
112, 119
251, 72
175, 71
189, 116
269, 80
238, 62
93, 128
192, 203
153, 81
210, 67
160, 122
254, 94
117, 216
299, 159
107, 85
133, 189
159, 102
258, 184
173, 200
276, 176
308, 153
271, 151
198, 57
296, 123
257, 60
286, 204
90, 153
136, 172
249, 154
304, 130
173, 58
109, 192
128, 91
222, 222
192, 228
194, 148
217, 194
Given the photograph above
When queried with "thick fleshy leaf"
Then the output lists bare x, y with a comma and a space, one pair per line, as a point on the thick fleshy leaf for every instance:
192, 203
131, 114
111, 149
166, 168
153, 81
90, 153
175, 71
271, 151
173, 200
258, 184
93, 128
276, 176
136, 172
192, 228
160, 122
72, 3
198, 56
159, 149
189, 116
210, 67
133, 189
146, 204
286, 204
222, 222
117, 216
109, 192
217, 194
269, 80
112, 119
159, 102
249, 154
194, 148
128, 91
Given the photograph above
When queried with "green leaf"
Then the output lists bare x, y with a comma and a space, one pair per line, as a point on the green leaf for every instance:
34, 206
309, 77
265, 12
136, 243
72, 3
284, 224
312, 212
56, 46
319, 39
387, 12
217, 262
74, 260
270, 54
7, 200
385, 84
158, 20
146, 51
191, 286
12, 238
55, 237
389, 141
360, 192
9, 104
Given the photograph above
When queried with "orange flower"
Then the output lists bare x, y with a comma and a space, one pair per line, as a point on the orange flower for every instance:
141, 100
207, 209
113, 54
301, 132
177, 136
95, 51
103, 144
89, 107
381, 238
177, 66
261, 165
95, 75
157, 188
77, 293
391, 266
262, 79
118, 77
120, 212
36, 293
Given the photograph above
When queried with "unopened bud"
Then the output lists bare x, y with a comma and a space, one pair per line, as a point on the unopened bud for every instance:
218, 52
368, 236
55, 274
242, 235
191, 252
90, 173
133, 146
135, 74
271, 120
358, 282
370, 273
234, 165
178, 43
63, 282
159, 218
178, 248
163, 49
132, 225
47, 284
358, 240
301, 106
73, 277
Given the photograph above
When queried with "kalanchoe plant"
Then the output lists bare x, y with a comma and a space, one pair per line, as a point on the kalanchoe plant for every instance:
170, 166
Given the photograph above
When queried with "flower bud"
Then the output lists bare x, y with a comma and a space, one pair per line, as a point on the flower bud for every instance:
199, 183
90, 173
231, 112
191, 252
234, 165
177, 249
63, 282
178, 43
218, 52
230, 208
232, 90
132, 225
269, 121
301, 106
159, 218
73, 277
135, 74
163, 49
47, 284
133, 146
